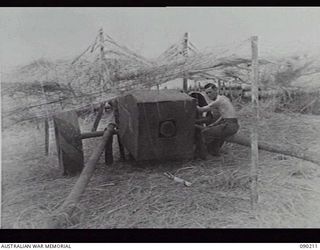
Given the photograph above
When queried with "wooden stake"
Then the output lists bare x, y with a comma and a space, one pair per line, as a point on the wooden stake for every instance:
185, 54
108, 151
98, 117
51, 134
116, 117
254, 128
103, 70
101, 40
46, 136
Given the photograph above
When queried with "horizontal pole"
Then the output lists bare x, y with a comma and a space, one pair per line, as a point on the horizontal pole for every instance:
87, 135
91, 134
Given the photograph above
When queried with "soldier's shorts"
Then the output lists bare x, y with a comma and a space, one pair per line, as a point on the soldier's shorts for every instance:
214, 136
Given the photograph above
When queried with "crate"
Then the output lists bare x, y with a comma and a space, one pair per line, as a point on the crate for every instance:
157, 125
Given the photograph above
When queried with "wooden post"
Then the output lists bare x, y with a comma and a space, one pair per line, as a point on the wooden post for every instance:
103, 70
91, 134
116, 117
101, 40
254, 128
51, 134
185, 54
98, 118
46, 136
108, 152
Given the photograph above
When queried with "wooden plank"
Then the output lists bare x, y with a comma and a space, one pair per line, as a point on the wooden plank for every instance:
69, 143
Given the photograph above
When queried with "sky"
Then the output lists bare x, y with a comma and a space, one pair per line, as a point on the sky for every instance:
27, 34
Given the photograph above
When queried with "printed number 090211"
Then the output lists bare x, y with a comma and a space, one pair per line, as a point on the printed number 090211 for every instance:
308, 246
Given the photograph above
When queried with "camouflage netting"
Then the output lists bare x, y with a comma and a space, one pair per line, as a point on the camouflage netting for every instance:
106, 69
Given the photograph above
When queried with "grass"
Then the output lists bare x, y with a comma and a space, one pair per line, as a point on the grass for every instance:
127, 195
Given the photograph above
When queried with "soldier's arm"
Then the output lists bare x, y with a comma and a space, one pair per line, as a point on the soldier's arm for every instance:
208, 107
203, 109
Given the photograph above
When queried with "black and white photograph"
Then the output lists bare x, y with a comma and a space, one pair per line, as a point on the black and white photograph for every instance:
160, 117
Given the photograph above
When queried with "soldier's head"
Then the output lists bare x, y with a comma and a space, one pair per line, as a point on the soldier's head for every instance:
211, 91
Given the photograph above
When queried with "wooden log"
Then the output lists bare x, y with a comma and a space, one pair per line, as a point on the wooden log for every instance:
68, 142
91, 134
278, 148
289, 150
64, 213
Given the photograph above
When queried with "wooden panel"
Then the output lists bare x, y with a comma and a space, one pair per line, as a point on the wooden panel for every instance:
69, 143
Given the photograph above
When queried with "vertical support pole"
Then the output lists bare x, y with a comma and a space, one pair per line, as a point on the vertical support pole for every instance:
219, 87
101, 40
103, 70
98, 118
46, 136
51, 133
254, 128
117, 121
0, 165
60, 101
108, 151
185, 54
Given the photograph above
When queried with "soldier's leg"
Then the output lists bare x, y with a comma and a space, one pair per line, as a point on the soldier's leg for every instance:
230, 129
200, 147
212, 137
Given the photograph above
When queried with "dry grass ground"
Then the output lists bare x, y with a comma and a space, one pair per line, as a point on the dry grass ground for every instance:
127, 195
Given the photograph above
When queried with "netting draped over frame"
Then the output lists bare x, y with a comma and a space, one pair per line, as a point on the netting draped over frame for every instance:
106, 68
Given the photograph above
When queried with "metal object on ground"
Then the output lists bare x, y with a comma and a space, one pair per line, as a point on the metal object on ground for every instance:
177, 179
157, 125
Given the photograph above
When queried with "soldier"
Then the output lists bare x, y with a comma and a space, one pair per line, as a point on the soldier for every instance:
214, 135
